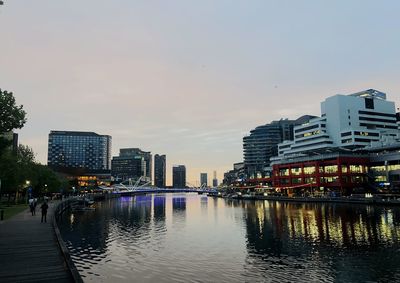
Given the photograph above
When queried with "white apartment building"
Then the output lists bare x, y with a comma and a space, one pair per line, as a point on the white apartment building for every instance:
348, 122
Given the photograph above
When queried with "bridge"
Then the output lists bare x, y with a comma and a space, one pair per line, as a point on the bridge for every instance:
135, 188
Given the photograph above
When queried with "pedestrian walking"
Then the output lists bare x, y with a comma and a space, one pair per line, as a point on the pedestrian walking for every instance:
44, 208
32, 206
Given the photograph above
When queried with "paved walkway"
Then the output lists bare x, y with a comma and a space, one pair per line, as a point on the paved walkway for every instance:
29, 251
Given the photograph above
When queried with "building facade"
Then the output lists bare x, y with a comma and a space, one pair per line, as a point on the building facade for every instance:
84, 150
352, 147
203, 179
129, 152
125, 168
179, 176
347, 121
215, 180
160, 170
262, 144
336, 173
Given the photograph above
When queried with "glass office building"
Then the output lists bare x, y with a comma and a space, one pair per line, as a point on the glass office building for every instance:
70, 149
160, 170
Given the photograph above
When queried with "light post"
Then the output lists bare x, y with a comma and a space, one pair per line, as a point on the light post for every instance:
28, 191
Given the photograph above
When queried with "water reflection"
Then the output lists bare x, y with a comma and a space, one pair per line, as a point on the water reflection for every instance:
159, 207
191, 237
324, 242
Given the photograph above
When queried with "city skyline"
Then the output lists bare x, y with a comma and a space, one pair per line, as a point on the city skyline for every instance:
188, 79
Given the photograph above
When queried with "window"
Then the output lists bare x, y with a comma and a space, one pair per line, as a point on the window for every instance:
296, 181
369, 103
284, 172
296, 171
331, 169
309, 180
356, 168
309, 170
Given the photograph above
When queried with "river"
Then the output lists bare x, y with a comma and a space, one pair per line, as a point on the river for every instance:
194, 238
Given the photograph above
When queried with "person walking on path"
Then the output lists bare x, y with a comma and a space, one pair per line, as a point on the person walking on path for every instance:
32, 206
44, 208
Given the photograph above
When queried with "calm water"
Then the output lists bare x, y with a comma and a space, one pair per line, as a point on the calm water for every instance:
192, 238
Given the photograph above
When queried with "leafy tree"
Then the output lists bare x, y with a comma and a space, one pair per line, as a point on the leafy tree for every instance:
11, 115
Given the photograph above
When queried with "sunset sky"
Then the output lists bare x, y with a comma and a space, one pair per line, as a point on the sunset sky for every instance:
189, 78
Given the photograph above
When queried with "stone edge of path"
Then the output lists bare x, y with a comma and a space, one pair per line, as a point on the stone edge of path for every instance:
64, 250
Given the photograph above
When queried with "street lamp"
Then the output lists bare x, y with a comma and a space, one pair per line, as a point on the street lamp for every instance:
28, 191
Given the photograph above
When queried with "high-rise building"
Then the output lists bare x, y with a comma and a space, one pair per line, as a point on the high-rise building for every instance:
179, 176
126, 152
215, 180
128, 167
203, 179
349, 122
160, 170
262, 144
86, 150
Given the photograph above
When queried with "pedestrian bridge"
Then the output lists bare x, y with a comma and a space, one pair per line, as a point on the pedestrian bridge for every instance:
123, 189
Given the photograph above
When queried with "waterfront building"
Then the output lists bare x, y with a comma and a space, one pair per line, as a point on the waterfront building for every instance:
337, 173
347, 121
131, 164
160, 167
78, 150
203, 179
343, 151
129, 152
215, 180
179, 176
262, 144
235, 176
385, 165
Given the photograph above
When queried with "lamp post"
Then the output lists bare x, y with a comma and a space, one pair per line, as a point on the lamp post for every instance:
29, 190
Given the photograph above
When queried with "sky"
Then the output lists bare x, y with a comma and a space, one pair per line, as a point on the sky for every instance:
186, 78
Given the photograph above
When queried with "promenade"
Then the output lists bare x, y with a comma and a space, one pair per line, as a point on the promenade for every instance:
29, 251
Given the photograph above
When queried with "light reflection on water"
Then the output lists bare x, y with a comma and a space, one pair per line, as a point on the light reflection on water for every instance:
192, 238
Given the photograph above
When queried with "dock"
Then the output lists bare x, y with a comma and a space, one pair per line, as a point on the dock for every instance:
30, 251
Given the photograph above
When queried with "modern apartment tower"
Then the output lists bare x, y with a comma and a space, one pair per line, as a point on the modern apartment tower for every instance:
179, 176
203, 179
160, 170
86, 150
262, 144
348, 122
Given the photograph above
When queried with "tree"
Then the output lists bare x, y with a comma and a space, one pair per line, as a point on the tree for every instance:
11, 115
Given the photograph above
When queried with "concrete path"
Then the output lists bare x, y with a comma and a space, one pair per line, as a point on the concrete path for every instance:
29, 251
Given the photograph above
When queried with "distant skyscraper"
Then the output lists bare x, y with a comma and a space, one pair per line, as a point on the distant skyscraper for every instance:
160, 170
128, 165
145, 154
70, 149
203, 179
179, 176
215, 180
